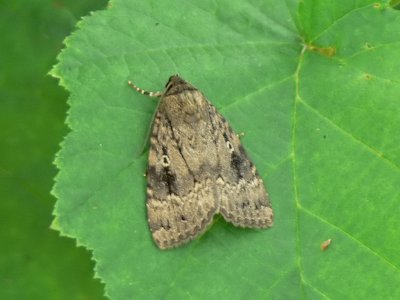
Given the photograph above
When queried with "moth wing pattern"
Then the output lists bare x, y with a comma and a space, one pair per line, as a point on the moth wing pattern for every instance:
179, 208
243, 200
198, 168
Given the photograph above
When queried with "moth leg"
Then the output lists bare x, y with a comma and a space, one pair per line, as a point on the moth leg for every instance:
240, 135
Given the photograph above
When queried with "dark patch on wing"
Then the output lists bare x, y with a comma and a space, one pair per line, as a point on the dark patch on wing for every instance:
236, 164
169, 180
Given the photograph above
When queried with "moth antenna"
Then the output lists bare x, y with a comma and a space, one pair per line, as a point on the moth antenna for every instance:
143, 92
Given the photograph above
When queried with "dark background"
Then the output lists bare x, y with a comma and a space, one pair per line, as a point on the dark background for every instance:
35, 262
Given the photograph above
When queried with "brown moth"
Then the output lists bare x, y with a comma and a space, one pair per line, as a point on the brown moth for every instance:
198, 168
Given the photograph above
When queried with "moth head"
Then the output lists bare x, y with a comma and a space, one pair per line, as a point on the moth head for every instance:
176, 84
174, 80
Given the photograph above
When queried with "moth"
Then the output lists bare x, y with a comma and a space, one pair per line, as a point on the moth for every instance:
198, 168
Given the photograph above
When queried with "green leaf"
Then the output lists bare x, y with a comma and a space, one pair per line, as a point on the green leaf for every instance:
35, 263
314, 85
